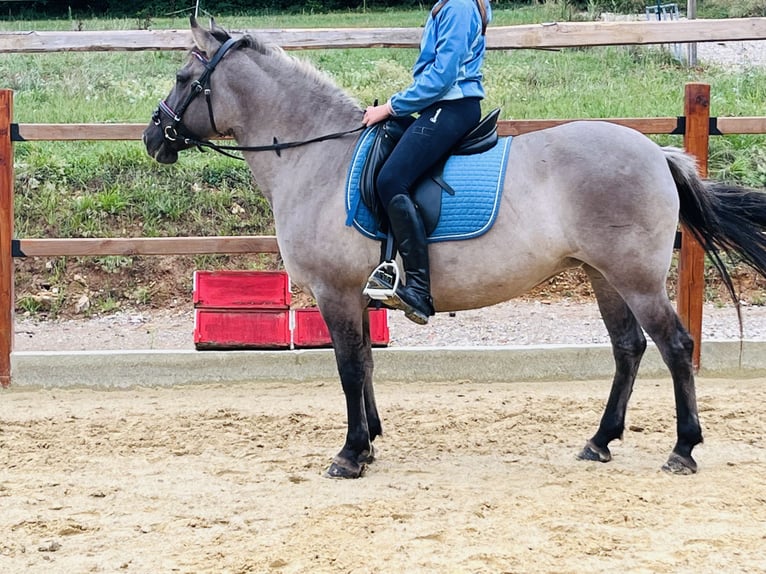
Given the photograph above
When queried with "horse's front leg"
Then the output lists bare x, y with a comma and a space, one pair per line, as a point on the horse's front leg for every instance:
349, 329
370, 406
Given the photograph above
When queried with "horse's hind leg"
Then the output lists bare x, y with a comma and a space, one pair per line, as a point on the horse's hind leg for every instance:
348, 324
654, 312
660, 321
628, 346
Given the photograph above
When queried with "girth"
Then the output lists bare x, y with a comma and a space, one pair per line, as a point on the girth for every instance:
428, 190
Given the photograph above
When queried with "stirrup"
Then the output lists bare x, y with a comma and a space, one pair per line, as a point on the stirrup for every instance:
383, 281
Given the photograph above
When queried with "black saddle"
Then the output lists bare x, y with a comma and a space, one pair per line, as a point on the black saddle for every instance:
428, 190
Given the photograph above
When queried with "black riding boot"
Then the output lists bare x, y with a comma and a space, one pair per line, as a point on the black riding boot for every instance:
414, 297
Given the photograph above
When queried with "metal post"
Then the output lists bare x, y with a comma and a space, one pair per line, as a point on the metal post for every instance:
691, 14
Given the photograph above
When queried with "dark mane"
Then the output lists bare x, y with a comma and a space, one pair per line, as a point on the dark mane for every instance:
265, 48
247, 41
304, 68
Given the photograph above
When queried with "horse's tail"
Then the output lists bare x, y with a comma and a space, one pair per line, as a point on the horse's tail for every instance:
723, 218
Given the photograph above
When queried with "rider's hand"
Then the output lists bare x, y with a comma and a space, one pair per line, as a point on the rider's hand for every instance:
375, 114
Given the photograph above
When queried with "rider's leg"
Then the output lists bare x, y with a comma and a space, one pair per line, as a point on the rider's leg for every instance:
425, 142
414, 298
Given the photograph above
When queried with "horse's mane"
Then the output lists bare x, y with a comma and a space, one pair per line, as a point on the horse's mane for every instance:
307, 70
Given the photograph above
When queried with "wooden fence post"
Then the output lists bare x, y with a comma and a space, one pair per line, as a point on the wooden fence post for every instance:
6, 236
691, 264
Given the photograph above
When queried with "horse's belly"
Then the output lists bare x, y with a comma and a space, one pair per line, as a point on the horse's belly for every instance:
476, 273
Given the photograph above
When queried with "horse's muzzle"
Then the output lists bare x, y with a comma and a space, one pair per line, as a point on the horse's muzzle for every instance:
157, 146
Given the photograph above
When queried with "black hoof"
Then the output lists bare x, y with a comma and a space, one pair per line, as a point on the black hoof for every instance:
344, 469
678, 464
594, 453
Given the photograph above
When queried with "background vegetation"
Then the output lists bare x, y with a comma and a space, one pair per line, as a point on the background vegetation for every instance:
161, 8
108, 189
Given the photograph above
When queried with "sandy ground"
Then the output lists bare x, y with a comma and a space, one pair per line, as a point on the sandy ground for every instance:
469, 478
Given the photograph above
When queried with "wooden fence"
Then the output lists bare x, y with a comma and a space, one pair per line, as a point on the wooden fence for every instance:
546, 36
695, 125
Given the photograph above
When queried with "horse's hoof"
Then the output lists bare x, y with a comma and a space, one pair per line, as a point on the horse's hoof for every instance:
678, 464
594, 453
343, 469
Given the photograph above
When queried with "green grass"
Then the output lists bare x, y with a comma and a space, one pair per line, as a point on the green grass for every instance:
101, 189
375, 18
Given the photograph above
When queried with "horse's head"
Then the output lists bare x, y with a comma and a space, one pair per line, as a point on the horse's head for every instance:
187, 115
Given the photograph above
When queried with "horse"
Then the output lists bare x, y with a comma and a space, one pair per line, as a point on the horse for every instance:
586, 194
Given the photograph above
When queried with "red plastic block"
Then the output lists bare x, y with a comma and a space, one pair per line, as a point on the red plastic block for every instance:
241, 289
379, 333
310, 330
258, 329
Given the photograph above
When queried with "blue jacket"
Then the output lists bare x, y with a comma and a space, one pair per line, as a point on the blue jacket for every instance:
451, 54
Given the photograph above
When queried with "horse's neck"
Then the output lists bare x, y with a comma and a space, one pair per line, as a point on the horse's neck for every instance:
306, 170
311, 172
304, 187
299, 108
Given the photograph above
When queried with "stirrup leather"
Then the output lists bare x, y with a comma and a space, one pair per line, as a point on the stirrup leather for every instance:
383, 281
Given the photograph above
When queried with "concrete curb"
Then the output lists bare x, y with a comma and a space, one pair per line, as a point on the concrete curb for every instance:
124, 369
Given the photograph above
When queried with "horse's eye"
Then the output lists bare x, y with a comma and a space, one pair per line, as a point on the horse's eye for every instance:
182, 77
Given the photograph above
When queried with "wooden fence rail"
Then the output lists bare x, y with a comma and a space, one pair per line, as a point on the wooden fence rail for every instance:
550, 35
123, 132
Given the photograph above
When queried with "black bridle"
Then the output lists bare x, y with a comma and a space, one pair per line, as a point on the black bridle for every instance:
173, 133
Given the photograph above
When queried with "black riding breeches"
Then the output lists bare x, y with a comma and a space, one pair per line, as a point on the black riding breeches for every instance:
426, 141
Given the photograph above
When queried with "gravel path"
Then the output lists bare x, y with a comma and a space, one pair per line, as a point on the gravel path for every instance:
514, 323
735, 54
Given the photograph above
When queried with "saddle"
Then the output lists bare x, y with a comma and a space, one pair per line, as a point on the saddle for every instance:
427, 195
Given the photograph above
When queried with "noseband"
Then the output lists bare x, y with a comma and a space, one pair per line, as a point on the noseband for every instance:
172, 131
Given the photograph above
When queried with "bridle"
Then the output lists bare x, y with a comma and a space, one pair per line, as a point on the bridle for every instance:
173, 133
199, 86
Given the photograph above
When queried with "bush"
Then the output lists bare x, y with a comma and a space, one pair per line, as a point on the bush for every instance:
707, 9
733, 9
156, 8
617, 6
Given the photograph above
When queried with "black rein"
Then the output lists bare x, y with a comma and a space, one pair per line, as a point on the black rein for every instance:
277, 146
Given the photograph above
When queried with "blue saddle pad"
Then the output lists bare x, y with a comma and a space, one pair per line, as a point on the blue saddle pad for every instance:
477, 180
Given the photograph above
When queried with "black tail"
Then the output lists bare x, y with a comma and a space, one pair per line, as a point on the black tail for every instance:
723, 218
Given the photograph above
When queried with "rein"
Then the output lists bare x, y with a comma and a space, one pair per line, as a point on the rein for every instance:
277, 146
201, 85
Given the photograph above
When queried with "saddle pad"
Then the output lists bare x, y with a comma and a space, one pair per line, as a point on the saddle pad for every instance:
477, 180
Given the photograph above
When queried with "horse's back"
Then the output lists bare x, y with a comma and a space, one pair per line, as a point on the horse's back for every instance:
592, 172
584, 192
610, 185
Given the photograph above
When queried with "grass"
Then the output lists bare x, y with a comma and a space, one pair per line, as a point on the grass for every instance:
103, 189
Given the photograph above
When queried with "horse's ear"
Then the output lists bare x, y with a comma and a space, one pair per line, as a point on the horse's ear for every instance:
204, 40
218, 33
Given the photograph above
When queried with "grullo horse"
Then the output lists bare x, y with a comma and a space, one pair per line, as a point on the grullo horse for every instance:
589, 194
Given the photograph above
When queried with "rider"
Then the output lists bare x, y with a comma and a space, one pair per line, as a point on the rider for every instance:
446, 92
